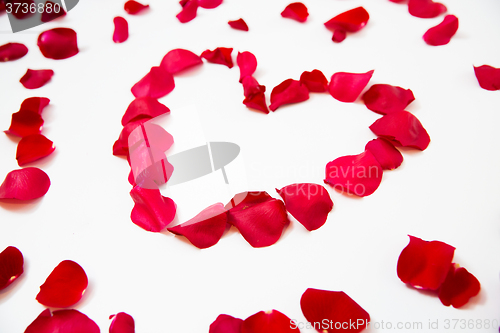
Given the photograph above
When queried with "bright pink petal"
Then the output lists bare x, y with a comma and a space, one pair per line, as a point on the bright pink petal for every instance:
64, 286
11, 266
188, 12
458, 287
122, 323
346, 87
152, 211
384, 98
247, 63
423, 264
226, 324
35, 104
34, 79
326, 310
62, 321
49, 15
58, 43
385, 153
351, 21
209, 4
32, 148
143, 107
315, 81
156, 84
121, 30
120, 147
12, 51
296, 11
133, 7
238, 24
25, 184
178, 60
355, 174
488, 77
205, 229
402, 128
425, 8
441, 34
221, 56
287, 92
268, 322
24, 123
257, 102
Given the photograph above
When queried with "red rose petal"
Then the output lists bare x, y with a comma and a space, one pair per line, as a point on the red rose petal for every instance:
315, 81
120, 147
143, 107
24, 123
188, 12
2, 5
356, 174
488, 77
209, 4
308, 203
238, 24
11, 266
64, 286
251, 86
25, 184
350, 21
122, 323
156, 84
152, 211
346, 87
178, 60
21, 13
121, 30
385, 153
49, 15
441, 34
384, 98
35, 104
12, 51
226, 324
332, 311
247, 63
221, 56
257, 102
205, 229
287, 92
458, 287
339, 35
32, 148
425, 8
58, 43
296, 11
62, 321
34, 79
268, 322
259, 218
403, 128
423, 264
133, 7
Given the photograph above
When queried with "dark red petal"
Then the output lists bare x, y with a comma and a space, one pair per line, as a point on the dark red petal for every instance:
346, 87
49, 15
296, 11
315, 81
251, 86
268, 322
25, 184
62, 321
226, 324
32, 148
287, 92
257, 101
425, 8
11, 266
351, 21
339, 35
385, 153
488, 77
238, 24
403, 128
384, 98
121, 30
120, 147
221, 56
333, 311
133, 7
247, 63
205, 229
355, 174
308, 203
35, 104
64, 286
458, 287
152, 211
156, 84
12, 51
209, 4
25, 123
178, 60
20, 12
58, 43
423, 264
188, 12
441, 34
2, 5
143, 107
122, 323
34, 79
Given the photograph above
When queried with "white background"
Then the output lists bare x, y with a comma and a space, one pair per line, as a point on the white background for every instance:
450, 192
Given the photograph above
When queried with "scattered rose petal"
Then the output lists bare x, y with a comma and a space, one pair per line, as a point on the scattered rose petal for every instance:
339, 35
49, 15
251, 86
296, 11
221, 56
34, 79
188, 12
315, 81
156, 84
25, 184
178, 60
32, 148
121, 30
122, 323
402, 128
11, 266
35, 104
350, 21
209, 4
268, 322
238, 24
385, 153
133, 7
458, 287
425, 8
346, 87
62, 321
423, 264
247, 63
143, 107
152, 211
64, 287
384, 98
24, 123
287, 92
2, 5
441, 34
58, 43
20, 13
257, 102
488, 77
150, 166
12, 51
332, 307
226, 324
120, 147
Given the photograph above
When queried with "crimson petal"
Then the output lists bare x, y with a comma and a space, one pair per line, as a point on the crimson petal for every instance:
143, 107
48, 16
58, 43
220, 55
209, 4
346, 87
120, 147
350, 21
384, 98
251, 86
441, 34
385, 153
488, 77
268, 322
122, 323
178, 60
62, 321
188, 12
12, 51
25, 184
458, 287
133, 7
19, 13
152, 211
296, 11
247, 63
287, 92
257, 102
425, 8
238, 24
32, 148
24, 123
35, 104
226, 324
121, 30
157, 83
11, 266
34, 79
315, 81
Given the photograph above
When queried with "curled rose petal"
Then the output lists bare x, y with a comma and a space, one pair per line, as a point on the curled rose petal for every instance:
178, 60
143, 107
385, 153
315, 81
11, 266
64, 287
238, 24
62, 321
226, 324
25, 184
425, 8
247, 63
423, 264
287, 92
24, 123
122, 323
34, 79
251, 86
133, 7
188, 12
268, 322
346, 87
205, 229
12, 51
58, 43
221, 56
441, 34
257, 102
296, 11
320, 306
156, 84
35, 104
402, 128
209, 4
350, 21
120, 147
32, 148
152, 211
121, 30
50, 14
458, 287
308, 203
488, 77
384, 98
355, 174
